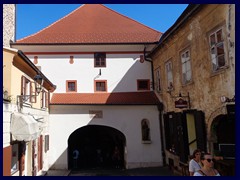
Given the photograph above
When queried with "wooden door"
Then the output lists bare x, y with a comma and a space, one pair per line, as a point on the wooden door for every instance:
40, 153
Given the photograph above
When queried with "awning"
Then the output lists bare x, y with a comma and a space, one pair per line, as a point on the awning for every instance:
24, 127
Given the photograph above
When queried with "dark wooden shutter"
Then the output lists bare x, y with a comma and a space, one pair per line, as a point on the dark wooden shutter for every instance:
200, 130
167, 131
40, 158
174, 134
182, 148
170, 130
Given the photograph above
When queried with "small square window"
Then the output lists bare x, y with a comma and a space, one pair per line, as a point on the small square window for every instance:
99, 59
100, 86
143, 84
71, 86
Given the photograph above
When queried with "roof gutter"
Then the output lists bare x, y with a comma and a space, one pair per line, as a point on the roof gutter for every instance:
53, 44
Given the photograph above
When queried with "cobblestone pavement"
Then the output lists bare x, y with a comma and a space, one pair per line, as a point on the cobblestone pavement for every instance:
154, 171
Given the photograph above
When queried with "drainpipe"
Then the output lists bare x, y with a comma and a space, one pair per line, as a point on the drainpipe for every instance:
160, 109
149, 60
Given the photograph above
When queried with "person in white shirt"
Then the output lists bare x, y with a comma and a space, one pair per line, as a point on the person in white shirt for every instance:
194, 163
208, 166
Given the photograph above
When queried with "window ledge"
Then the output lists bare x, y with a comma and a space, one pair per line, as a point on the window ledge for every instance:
219, 71
146, 142
187, 84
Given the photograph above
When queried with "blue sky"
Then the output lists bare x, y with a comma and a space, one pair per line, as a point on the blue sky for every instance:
31, 18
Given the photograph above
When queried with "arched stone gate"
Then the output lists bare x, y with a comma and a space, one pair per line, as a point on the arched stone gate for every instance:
95, 144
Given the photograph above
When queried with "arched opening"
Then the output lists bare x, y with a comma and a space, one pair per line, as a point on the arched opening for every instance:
95, 144
222, 132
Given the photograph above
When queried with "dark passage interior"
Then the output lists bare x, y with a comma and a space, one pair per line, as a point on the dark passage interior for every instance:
95, 145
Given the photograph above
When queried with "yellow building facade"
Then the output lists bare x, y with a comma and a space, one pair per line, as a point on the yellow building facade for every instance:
25, 116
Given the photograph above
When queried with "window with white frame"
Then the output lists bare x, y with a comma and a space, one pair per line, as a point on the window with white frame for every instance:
169, 73
186, 67
217, 51
158, 80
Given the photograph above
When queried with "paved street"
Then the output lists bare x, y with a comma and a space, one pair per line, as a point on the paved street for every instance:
154, 171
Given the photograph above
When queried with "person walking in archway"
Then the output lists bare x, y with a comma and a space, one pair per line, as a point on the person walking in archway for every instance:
116, 157
75, 158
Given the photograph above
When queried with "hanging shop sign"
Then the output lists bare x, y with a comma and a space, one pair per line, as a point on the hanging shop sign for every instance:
181, 103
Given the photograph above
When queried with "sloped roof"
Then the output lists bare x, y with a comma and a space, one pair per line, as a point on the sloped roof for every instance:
93, 23
118, 98
21, 61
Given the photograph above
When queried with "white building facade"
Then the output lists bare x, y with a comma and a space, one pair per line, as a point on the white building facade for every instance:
104, 93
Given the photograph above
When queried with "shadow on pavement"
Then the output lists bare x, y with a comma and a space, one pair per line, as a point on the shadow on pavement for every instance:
153, 171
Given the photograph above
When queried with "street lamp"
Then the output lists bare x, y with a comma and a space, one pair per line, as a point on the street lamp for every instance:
38, 80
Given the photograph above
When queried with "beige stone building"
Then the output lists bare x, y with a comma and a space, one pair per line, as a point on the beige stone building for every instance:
194, 72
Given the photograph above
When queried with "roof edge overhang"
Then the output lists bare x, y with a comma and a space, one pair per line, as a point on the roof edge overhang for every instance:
183, 18
47, 83
54, 44
21, 61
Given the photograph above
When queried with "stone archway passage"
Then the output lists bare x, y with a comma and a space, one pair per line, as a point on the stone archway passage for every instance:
95, 144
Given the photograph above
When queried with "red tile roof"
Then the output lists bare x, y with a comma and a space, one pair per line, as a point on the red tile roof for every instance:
119, 98
93, 23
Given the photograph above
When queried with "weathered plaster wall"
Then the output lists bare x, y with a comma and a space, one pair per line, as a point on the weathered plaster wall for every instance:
207, 86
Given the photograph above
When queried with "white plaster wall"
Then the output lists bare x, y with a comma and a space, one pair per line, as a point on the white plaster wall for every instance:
121, 71
126, 119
